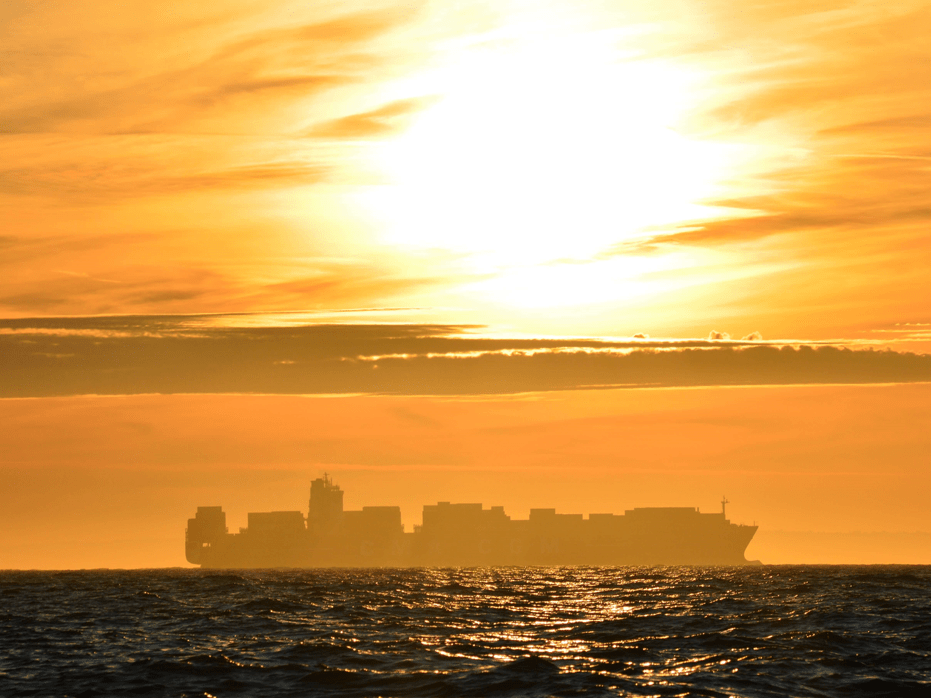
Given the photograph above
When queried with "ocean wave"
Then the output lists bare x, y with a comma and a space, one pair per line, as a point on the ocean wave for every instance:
800, 631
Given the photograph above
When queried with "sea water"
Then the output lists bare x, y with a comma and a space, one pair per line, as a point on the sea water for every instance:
766, 631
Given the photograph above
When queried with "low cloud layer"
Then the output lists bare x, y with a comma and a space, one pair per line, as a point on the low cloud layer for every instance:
194, 354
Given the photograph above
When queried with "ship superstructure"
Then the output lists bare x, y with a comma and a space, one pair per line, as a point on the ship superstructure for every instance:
462, 535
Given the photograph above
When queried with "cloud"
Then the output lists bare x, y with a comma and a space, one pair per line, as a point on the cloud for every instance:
311, 284
715, 335
102, 108
383, 121
132, 181
134, 287
334, 284
836, 96
183, 354
816, 56
752, 337
920, 122
357, 27
222, 70
98, 105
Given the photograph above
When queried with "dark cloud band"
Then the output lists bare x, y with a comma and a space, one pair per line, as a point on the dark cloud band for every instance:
163, 354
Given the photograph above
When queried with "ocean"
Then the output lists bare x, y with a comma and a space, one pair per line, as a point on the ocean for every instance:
634, 631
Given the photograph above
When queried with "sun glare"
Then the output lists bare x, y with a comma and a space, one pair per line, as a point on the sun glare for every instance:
556, 148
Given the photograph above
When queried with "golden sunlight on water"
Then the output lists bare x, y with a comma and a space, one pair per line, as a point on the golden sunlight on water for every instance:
808, 632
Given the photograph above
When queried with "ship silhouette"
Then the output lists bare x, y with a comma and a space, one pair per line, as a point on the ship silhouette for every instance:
460, 535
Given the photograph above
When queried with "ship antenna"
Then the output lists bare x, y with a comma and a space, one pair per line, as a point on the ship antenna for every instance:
724, 504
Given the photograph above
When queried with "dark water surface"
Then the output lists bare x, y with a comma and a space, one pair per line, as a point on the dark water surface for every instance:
771, 631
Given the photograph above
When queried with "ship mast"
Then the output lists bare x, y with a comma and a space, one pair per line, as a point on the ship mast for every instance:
724, 504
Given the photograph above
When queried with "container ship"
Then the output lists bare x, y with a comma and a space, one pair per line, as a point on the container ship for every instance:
462, 535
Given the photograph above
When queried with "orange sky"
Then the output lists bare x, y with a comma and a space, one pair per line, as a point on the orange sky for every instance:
482, 210
110, 481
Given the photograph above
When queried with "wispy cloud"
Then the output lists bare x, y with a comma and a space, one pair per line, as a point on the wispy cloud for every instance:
109, 184
198, 132
836, 93
309, 283
222, 79
379, 122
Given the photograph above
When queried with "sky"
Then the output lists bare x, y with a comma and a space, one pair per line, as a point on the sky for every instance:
577, 254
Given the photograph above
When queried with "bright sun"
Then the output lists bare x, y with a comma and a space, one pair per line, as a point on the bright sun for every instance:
545, 150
